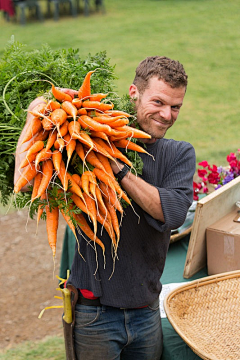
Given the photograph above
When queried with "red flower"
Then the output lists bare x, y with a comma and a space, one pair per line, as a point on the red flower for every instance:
203, 163
213, 168
202, 173
231, 157
213, 178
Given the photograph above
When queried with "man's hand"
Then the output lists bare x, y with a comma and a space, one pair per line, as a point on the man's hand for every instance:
70, 92
144, 194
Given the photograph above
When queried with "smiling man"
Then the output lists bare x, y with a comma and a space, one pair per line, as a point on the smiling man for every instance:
117, 315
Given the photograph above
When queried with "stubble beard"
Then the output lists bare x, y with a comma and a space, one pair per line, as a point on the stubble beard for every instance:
145, 124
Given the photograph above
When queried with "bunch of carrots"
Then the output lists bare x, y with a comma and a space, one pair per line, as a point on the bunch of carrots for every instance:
65, 130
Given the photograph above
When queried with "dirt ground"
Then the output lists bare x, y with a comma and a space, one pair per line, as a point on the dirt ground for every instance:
28, 280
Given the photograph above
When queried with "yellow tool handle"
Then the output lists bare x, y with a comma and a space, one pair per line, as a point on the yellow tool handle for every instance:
67, 317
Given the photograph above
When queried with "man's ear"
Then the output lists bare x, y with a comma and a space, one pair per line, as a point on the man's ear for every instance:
133, 92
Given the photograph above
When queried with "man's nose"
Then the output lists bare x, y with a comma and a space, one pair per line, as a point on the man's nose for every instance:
166, 112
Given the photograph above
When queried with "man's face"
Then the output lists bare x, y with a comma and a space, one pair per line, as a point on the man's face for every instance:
157, 107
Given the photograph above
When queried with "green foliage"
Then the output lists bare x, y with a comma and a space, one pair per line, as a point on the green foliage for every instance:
24, 75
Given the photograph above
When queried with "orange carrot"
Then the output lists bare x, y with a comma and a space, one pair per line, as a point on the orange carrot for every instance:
69, 222
101, 175
51, 139
106, 164
100, 201
70, 109
88, 123
119, 122
110, 196
62, 175
112, 183
121, 136
27, 175
85, 89
36, 184
97, 97
92, 159
59, 144
80, 151
35, 148
41, 208
99, 149
47, 171
92, 190
85, 182
34, 127
52, 226
52, 105
58, 117
79, 203
42, 156
70, 146
73, 186
82, 111
74, 129
41, 135
47, 123
108, 228
97, 105
77, 102
134, 132
99, 134
117, 113
63, 130
77, 179
87, 231
57, 158
102, 207
27, 160
91, 207
127, 144
113, 151
107, 119
86, 140
114, 218
60, 95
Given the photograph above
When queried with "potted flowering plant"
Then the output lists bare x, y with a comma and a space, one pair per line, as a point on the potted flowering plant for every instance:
216, 177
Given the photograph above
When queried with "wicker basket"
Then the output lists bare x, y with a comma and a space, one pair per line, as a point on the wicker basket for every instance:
178, 236
206, 314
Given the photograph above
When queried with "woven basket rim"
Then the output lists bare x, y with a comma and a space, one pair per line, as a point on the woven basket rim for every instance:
189, 286
177, 237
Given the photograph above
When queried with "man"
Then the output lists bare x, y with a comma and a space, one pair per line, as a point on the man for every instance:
117, 316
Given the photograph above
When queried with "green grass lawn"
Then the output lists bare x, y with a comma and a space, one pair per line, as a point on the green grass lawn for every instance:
194, 32
51, 348
204, 35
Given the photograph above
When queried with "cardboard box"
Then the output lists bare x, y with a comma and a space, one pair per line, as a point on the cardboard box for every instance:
223, 244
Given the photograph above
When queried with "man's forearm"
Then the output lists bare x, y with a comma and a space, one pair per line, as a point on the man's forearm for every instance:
144, 194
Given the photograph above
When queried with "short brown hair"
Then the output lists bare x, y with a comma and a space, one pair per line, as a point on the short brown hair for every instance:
166, 69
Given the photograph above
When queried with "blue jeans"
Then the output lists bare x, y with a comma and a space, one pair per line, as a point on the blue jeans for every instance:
107, 333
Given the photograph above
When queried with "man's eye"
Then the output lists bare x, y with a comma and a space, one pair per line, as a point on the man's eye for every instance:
158, 102
176, 108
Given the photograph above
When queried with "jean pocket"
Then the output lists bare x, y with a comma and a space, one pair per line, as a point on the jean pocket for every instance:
155, 305
86, 315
